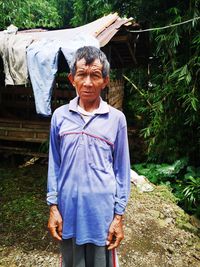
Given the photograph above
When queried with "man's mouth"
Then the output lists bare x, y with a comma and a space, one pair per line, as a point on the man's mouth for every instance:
87, 92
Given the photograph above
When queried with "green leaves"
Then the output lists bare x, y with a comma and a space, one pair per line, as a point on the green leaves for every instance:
171, 123
29, 14
190, 101
183, 180
87, 11
161, 173
192, 191
184, 74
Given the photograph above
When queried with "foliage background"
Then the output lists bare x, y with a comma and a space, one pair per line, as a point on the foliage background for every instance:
166, 102
161, 99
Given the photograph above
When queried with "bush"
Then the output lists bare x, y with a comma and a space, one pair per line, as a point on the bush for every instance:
183, 180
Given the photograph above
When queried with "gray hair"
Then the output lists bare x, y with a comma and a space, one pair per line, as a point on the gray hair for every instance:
90, 53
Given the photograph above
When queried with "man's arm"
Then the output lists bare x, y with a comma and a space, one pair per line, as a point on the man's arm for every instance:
122, 175
122, 171
54, 163
55, 219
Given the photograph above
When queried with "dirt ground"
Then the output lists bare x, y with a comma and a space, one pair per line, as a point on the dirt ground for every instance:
157, 234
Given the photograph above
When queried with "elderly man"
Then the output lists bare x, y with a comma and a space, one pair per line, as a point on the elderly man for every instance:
89, 168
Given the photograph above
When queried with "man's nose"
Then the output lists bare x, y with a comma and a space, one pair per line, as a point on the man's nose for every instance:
87, 80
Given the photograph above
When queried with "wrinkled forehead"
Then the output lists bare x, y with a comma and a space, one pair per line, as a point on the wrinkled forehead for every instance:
83, 64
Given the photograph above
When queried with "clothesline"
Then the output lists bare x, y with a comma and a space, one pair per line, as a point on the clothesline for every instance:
165, 27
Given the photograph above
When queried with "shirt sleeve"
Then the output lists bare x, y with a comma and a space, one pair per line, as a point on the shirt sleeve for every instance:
122, 169
54, 163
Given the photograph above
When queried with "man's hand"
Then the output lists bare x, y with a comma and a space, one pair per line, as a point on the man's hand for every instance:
116, 233
55, 223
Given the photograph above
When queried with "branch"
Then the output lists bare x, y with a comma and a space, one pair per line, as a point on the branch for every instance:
137, 89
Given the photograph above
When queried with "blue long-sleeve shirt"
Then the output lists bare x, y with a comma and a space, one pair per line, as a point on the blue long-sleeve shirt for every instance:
89, 171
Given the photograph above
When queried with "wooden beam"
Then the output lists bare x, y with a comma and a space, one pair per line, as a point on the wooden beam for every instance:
132, 53
120, 38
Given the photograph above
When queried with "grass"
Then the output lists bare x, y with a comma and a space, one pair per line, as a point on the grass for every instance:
24, 212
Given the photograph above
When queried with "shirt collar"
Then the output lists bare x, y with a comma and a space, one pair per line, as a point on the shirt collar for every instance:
102, 109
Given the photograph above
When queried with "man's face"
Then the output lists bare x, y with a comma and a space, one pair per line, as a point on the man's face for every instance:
88, 80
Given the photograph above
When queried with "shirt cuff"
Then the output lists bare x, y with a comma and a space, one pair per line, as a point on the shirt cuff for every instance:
52, 198
119, 207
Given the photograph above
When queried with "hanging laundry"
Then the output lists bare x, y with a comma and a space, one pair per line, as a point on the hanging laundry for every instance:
13, 52
69, 47
42, 59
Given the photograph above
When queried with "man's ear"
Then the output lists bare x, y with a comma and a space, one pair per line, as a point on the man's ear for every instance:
106, 82
71, 78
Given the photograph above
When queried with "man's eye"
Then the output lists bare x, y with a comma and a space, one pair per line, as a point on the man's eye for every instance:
96, 75
80, 74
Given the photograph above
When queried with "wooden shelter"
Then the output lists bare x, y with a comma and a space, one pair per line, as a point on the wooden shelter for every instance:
23, 131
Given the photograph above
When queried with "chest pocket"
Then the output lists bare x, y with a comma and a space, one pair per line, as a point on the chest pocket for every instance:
100, 155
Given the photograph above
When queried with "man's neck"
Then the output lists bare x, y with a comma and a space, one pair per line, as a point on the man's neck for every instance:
89, 106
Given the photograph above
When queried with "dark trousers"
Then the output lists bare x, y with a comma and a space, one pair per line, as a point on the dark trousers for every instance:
87, 255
